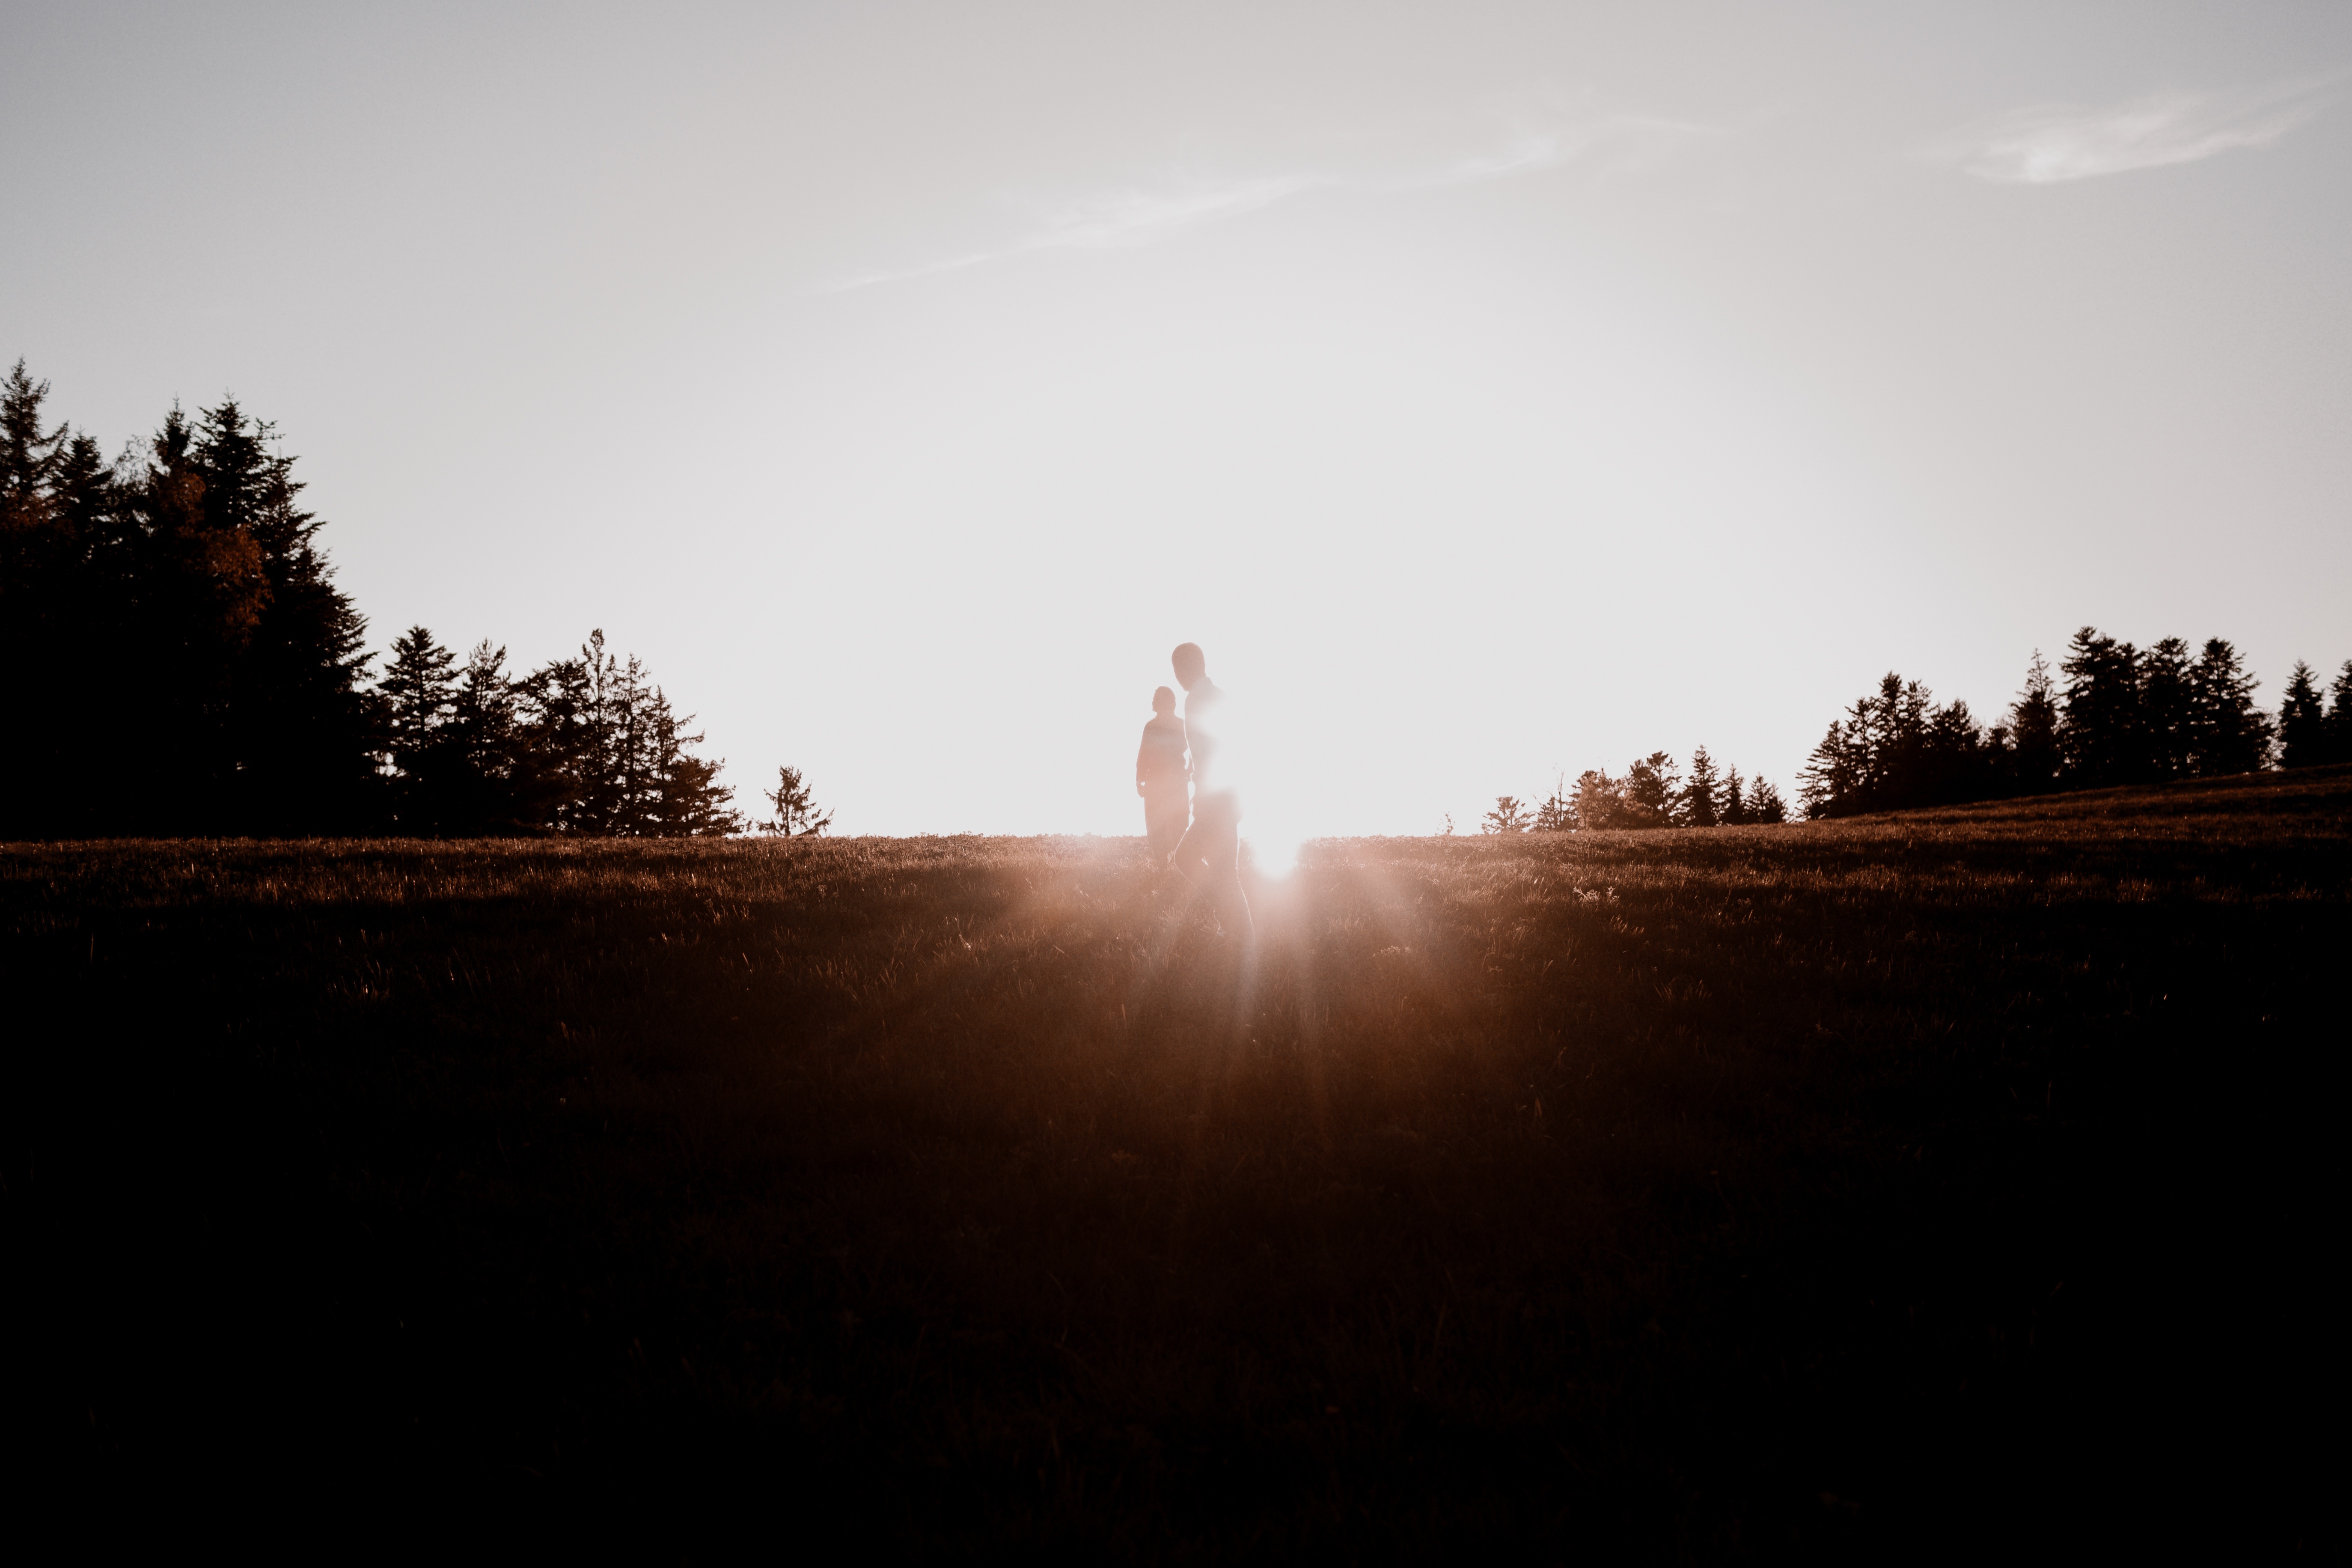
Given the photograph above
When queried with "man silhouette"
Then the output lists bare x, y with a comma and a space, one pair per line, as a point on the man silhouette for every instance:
1209, 855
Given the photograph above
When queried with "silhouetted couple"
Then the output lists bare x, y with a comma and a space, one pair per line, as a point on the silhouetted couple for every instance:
1207, 852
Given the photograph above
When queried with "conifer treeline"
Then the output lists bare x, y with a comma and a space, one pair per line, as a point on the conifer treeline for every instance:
2124, 716
185, 664
585, 746
1651, 794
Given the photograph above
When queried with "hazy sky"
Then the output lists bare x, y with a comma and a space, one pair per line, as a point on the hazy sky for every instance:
1495, 391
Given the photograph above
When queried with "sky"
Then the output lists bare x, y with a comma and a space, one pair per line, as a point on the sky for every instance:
1495, 391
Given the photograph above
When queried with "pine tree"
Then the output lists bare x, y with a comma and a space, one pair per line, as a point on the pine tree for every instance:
1652, 793
484, 747
419, 695
2338, 739
558, 742
2033, 754
35, 610
635, 719
29, 455
1600, 802
2302, 727
1701, 797
1509, 815
2228, 734
1734, 799
600, 803
1764, 805
596, 750
299, 728
797, 814
2102, 737
691, 802
202, 588
1831, 780
2168, 710
1556, 813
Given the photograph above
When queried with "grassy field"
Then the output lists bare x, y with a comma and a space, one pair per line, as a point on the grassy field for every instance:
1944, 1179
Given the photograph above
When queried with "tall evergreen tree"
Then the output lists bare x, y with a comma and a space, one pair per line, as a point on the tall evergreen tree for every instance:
2035, 759
1701, 797
1652, 795
2339, 740
485, 747
2102, 737
560, 745
30, 453
2168, 710
2301, 728
691, 802
301, 729
35, 610
1734, 799
419, 698
2228, 734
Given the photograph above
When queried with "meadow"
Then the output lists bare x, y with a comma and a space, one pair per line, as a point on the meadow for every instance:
1950, 1179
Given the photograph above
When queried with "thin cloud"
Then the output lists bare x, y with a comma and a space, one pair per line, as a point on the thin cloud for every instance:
1137, 216
1148, 213
1142, 215
2052, 144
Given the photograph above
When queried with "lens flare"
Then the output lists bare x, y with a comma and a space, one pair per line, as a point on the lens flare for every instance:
1274, 853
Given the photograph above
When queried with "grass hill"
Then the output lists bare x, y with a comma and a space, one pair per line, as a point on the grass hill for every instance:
1933, 1178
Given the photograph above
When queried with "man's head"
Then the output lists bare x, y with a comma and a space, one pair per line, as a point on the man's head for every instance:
1192, 665
1162, 700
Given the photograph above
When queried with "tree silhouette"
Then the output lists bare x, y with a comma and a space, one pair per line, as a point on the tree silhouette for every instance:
796, 812
2338, 739
1557, 811
2302, 727
1599, 801
419, 692
1509, 815
1701, 797
299, 725
2102, 737
175, 603
1650, 791
2034, 757
2168, 718
1733, 813
2228, 734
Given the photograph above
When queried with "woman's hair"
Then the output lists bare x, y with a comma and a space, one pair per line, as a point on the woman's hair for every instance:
1162, 698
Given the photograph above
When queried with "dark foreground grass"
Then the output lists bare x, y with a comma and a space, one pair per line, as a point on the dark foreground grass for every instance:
1956, 1179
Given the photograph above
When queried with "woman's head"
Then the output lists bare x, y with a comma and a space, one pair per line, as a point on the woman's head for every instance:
1163, 700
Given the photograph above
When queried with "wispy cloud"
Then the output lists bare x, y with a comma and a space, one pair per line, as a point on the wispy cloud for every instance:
2054, 143
1143, 214
1147, 212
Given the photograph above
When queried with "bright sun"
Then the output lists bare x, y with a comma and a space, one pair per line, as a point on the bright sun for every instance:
1276, 853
